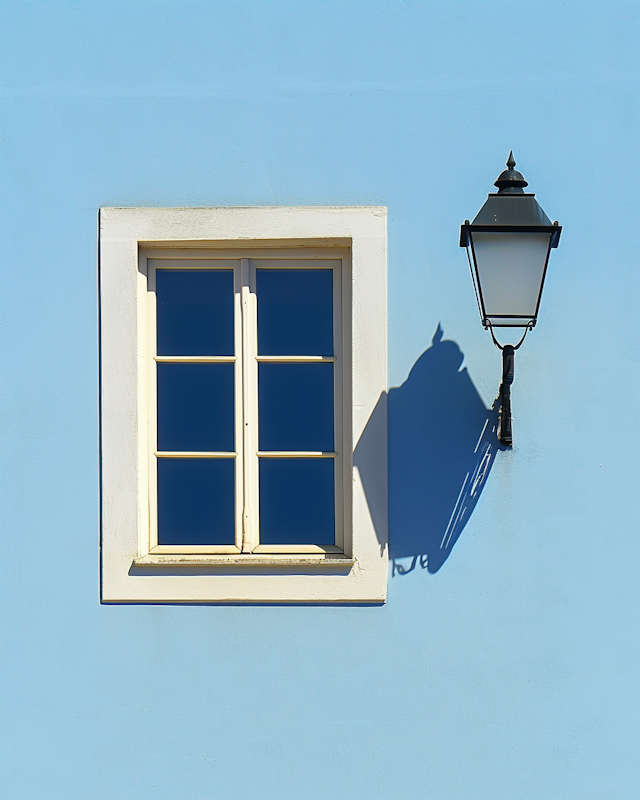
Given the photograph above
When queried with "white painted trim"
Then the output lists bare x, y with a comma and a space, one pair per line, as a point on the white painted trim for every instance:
281, 249
295, 454
194, 359
192, 454
191, 264
250, 517
173, 549
133, 570
238, 414
297, 549
265, 563
148, 469
247, 498
295, 359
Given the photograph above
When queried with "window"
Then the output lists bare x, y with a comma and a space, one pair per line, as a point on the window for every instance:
246, 444
238, 372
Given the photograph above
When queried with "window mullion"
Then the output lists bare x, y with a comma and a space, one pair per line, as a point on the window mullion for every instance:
250, 536
238, 404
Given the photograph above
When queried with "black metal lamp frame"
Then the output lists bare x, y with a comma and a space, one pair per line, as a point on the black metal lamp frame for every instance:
466, 240
509, 210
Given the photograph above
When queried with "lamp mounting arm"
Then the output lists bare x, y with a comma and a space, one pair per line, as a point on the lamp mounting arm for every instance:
505, 433
508, 370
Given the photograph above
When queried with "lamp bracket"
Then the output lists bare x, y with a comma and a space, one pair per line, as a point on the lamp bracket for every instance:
488, 326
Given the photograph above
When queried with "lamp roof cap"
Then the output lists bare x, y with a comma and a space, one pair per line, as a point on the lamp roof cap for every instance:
510, 181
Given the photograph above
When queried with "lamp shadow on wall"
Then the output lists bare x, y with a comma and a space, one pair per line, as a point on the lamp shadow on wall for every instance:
442, 445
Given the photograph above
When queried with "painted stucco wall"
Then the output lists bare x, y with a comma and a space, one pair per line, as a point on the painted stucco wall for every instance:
505, 662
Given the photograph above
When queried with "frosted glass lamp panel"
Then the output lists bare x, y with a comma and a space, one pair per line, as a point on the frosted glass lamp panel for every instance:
510, 270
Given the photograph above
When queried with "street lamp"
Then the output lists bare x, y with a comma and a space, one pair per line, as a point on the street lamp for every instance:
510, 240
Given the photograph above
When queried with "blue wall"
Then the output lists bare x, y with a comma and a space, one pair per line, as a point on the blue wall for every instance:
506, 667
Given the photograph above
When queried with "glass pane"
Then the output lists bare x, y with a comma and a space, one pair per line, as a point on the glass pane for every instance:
295, 404
510, 267
195, 407
194, 312
297, 501
196, 501
295, 312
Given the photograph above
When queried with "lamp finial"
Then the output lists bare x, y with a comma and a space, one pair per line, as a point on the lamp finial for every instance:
510, 181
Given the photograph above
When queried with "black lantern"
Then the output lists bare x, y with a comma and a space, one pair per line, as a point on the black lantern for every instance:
510, 240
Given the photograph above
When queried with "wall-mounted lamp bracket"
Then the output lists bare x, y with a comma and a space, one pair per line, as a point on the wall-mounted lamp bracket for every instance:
505, 434
508, 246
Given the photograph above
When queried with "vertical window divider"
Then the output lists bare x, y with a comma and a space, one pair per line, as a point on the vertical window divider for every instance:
250, 517
338, 395
151, 412
238, 400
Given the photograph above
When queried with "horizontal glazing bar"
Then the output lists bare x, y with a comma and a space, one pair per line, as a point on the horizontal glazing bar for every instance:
192, 454
293, 359
295, 454
195, 359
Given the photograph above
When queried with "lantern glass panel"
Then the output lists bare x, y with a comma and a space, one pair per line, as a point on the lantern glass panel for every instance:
510, 270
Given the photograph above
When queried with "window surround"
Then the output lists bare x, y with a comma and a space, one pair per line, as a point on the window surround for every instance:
131, 572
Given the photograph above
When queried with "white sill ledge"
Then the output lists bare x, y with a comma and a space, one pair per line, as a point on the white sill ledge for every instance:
322, 561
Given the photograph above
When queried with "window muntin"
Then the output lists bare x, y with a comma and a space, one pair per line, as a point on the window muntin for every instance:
269, 450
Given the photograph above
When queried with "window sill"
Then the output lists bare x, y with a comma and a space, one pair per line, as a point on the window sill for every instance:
321, 561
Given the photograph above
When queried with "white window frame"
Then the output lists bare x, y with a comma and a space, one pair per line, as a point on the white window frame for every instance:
244, 262
133, 568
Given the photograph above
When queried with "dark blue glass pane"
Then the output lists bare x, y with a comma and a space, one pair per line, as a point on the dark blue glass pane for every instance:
195, 407
295, 403
297, 501
295, 312
194, 312
196, 501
